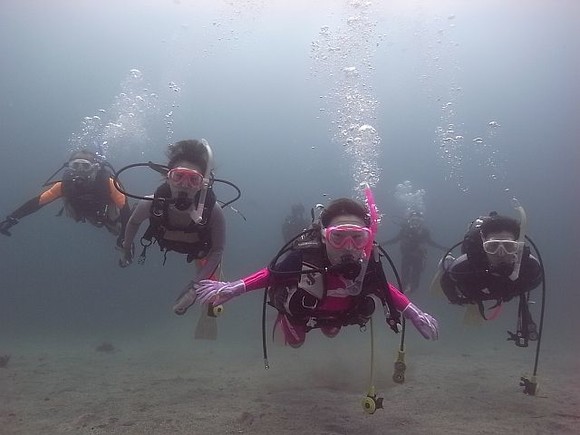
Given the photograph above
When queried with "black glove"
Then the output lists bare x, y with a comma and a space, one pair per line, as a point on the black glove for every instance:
6, 224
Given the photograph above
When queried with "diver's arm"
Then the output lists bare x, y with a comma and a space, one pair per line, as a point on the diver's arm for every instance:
264, 278
30, 207
116, 196
432, 243
400, 301
217, 224
451, 280
218, 292
394, 240
426, 324
140, 213
436, 245
120, 200
38, 202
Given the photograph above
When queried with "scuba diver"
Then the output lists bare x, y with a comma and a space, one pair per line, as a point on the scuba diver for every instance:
327, 277
294, 223
412, 239
182, 212
184, 216
88, 194
495, 265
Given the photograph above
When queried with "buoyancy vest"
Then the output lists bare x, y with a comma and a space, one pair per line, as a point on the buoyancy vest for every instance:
193, 239
477, 284
85, 198
300, 297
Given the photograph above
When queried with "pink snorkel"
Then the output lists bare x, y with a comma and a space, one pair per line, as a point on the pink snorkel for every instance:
370, 199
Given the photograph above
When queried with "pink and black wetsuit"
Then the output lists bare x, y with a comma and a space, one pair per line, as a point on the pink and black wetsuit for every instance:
325, 295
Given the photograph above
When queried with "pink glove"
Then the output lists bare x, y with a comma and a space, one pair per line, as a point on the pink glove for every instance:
425, 324
217, 292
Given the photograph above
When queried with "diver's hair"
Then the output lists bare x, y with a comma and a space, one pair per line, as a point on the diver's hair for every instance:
86, 154
192, 151
343, 206
496, 223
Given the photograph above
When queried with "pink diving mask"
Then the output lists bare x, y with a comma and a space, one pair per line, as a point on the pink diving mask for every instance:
348, 235
185, 178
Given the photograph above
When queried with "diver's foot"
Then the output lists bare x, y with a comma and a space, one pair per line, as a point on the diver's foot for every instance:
330, 331
294, 333
185, 301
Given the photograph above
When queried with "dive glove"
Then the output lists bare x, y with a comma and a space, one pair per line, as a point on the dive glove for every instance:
6, 224
217, 292
425, 323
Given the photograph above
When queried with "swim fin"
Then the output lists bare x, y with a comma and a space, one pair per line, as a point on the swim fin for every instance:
206, 328
471, 317
435, 286
444, 264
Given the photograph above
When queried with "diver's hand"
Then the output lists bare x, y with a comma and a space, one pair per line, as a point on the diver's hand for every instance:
6, 224
217, 292
126, 257
425, 323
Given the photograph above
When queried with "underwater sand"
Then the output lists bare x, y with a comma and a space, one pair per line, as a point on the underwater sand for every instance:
164, 382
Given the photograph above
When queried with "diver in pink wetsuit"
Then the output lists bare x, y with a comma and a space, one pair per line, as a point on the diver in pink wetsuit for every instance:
328, 277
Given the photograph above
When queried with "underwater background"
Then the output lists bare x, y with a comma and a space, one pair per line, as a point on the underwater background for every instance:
453, 106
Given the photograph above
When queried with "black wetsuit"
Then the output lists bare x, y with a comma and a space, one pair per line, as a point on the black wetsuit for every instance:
463, 283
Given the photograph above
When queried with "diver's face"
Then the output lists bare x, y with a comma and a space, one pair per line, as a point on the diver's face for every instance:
348, 250
500, 254
415, 223
185, 177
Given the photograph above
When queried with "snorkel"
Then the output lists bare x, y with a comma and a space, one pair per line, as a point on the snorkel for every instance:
196, 214
374, 213
521, 239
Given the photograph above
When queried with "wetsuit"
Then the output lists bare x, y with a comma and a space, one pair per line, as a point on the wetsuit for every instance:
110, 209
465, 283
320, 295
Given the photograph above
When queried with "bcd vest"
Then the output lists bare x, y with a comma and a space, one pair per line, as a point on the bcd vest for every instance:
85, 198
300, 298
193, 240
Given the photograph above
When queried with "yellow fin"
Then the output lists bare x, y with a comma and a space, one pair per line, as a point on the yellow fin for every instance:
435, 287
206, 328
471, 317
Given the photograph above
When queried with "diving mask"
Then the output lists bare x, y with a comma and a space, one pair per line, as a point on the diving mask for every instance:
493, 247
347, 236
82, 165
185, 178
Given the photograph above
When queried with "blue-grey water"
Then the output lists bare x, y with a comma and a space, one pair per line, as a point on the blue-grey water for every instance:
473, 102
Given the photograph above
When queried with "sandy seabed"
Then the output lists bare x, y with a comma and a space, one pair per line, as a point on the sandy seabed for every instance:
168, 383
